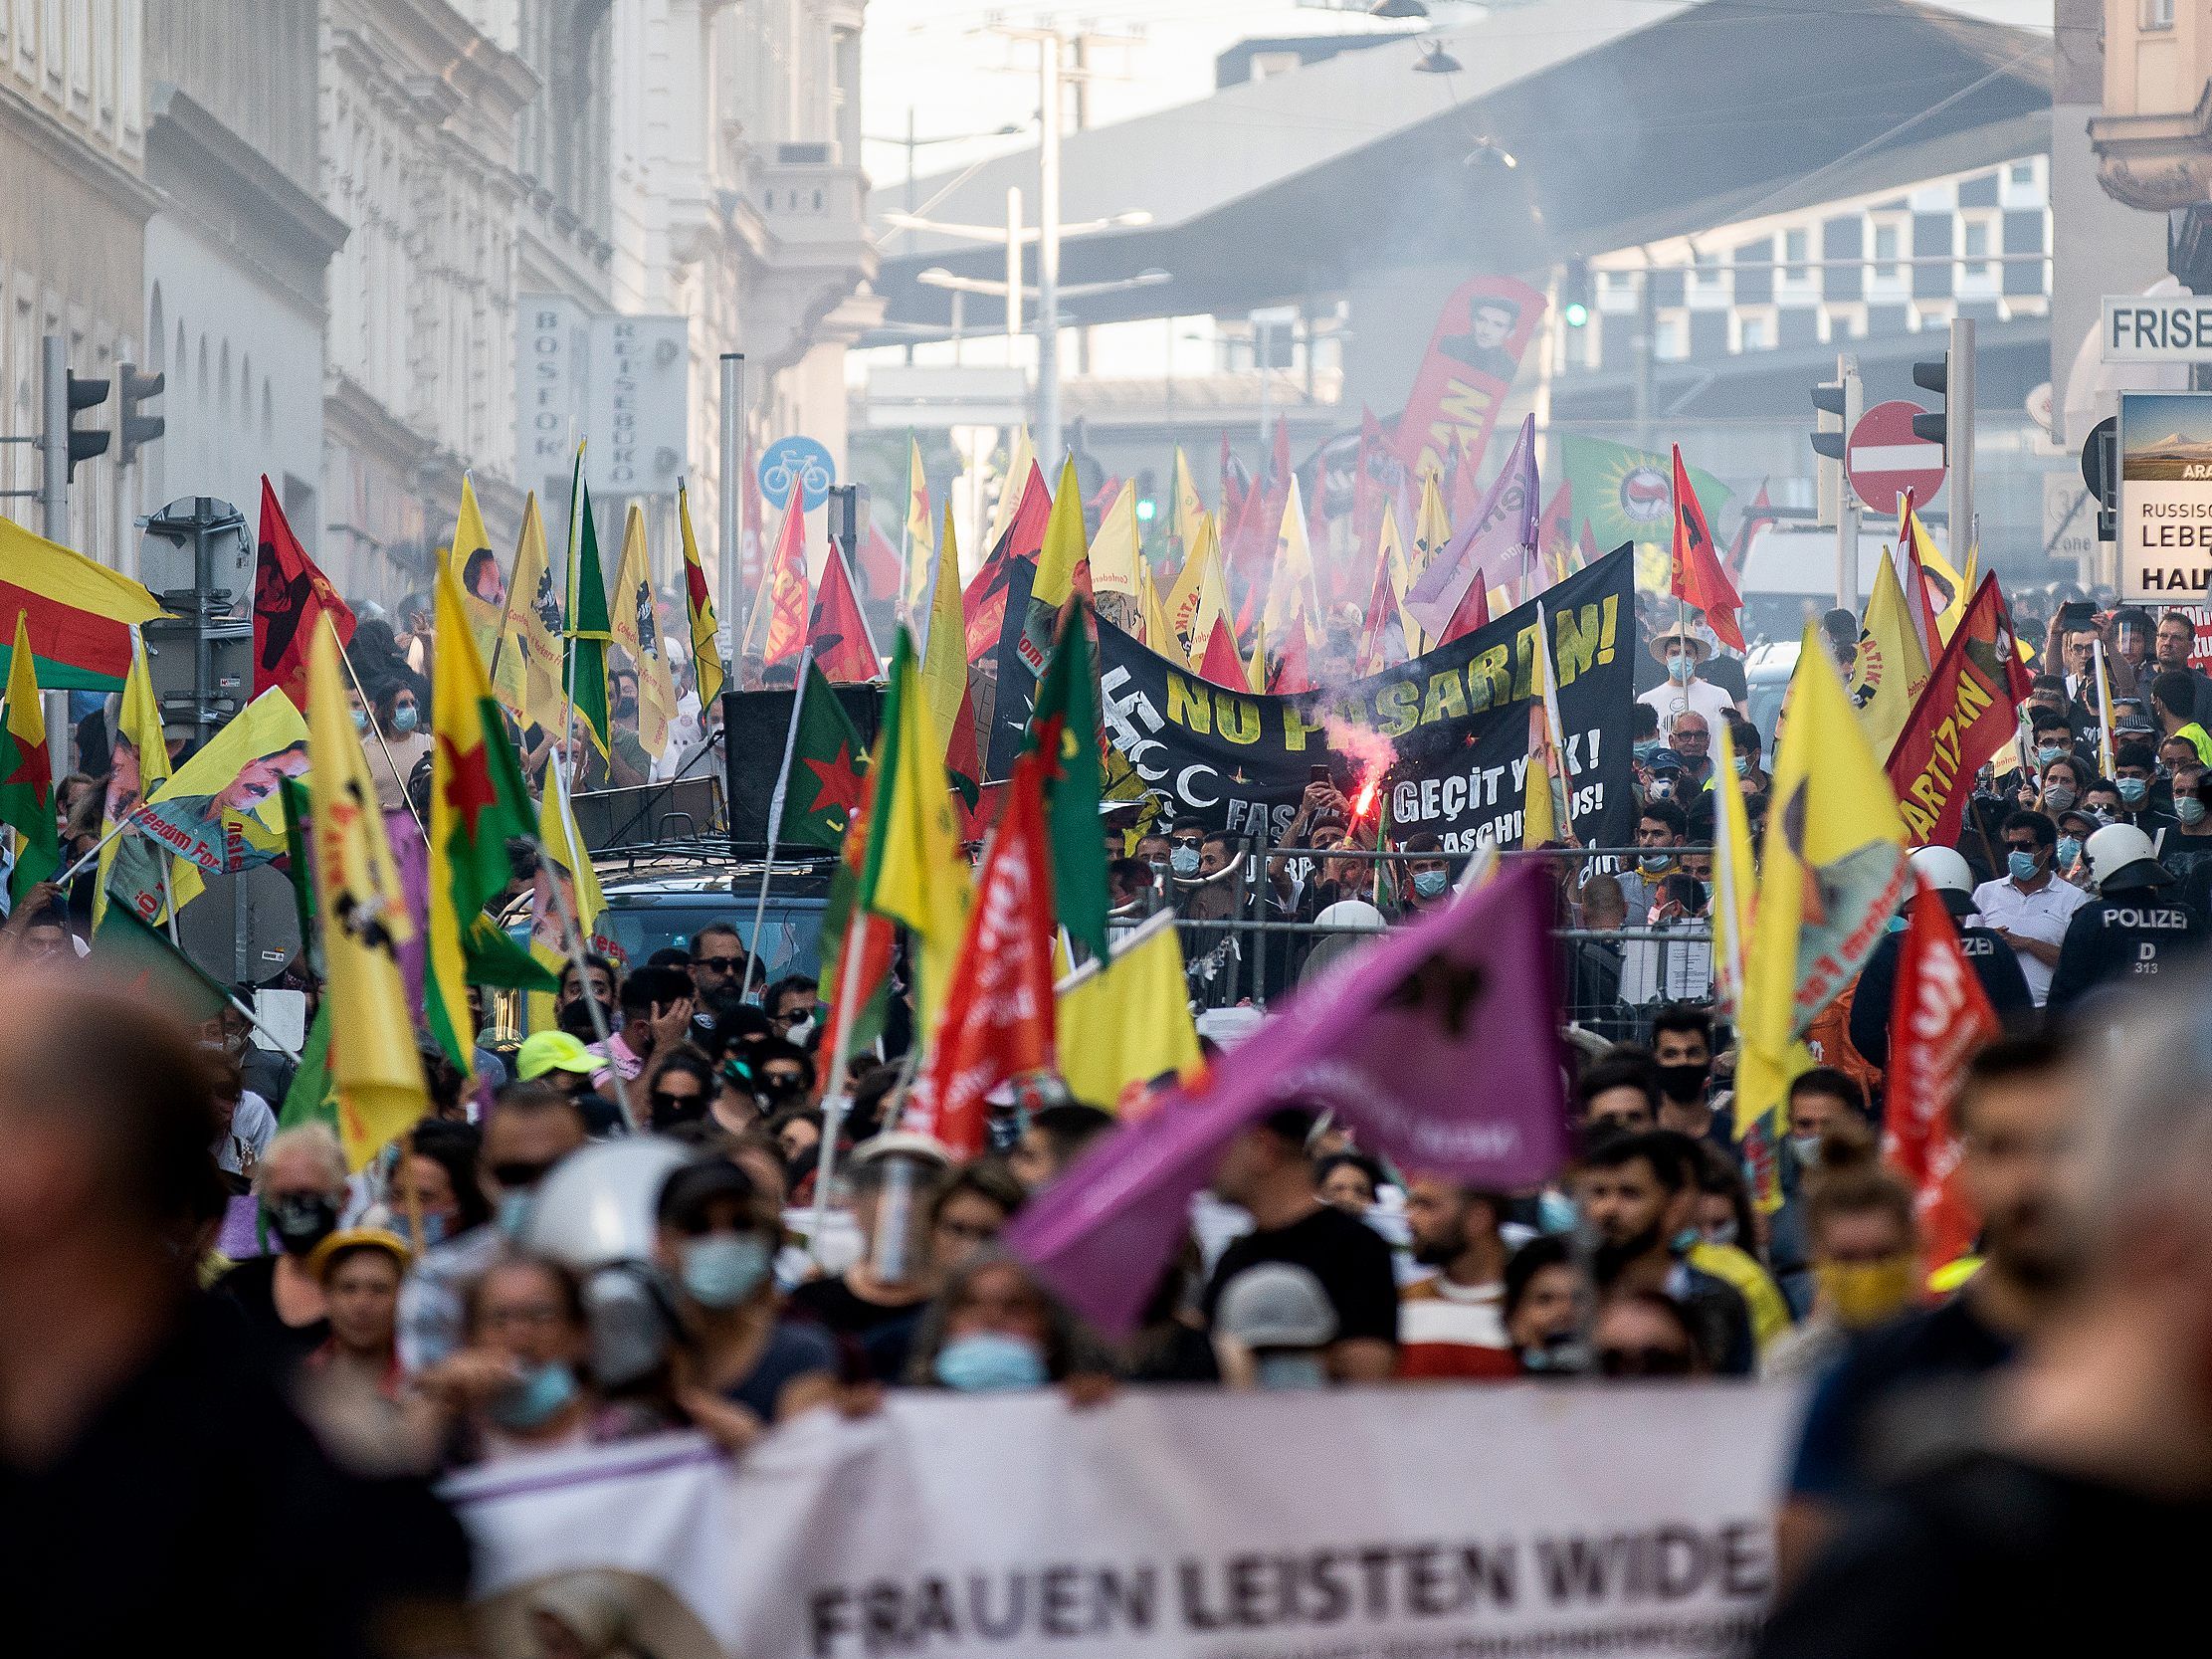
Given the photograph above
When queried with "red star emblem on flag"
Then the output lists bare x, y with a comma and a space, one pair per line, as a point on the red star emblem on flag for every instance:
837, 784
468, 788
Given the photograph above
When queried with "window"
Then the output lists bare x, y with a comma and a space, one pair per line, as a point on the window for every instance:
1709, 269
1887, 241
1797, 248
2157, 14
1671, 338
1977, 248
2023, 174
1757, 335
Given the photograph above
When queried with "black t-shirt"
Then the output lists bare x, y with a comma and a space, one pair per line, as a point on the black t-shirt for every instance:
251, 1285
1346, 1256
196, 1499
1990, 1555
875, 1339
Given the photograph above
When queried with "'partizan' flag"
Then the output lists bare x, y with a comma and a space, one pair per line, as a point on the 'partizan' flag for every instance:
477, 802
27, 773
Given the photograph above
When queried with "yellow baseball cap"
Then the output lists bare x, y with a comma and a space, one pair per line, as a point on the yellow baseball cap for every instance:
554, 1051
358, 1238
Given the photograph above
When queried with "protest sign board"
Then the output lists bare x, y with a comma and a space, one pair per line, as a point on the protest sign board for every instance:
1555, 1517
1454, 724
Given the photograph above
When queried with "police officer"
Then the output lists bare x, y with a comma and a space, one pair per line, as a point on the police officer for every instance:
2131, 928
1992, 960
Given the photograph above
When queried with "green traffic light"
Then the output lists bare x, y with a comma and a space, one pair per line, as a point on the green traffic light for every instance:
1145, 511
1577, 313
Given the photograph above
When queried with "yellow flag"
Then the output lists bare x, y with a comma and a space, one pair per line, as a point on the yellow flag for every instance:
918, 552
1393, 546
1188, 507
1548, 814
1832, 874
1018, 465
1432, 527
1160, 633
636, 624
1963, 595
477, 567
1200, 593
1125, 1024
221, 808
530, 631
1890, 668
374, 1070
915, 873
698, 609
1114, 555
1065, 545
1734, 877
564, 861
945, 658
132, 860
1291, 594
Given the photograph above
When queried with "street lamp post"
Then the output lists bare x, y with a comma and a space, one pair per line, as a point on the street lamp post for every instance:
1047, 249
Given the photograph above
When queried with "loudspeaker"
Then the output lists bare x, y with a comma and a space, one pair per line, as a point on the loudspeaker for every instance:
756, 724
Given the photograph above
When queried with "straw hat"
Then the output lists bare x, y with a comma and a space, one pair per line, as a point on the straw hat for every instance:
1700, 647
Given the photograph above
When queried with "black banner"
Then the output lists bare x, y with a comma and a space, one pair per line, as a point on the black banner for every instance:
1455, 723
759, 721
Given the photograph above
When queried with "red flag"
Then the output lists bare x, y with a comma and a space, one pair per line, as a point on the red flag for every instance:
1939, 1017
1382, 610
1966, 712
1916, 584
878, 563
787, 621
998, 1022
1472, 613
984, 603
1556, 532
837, 633
1294, 672
290, 593
1220, 663
1696, 576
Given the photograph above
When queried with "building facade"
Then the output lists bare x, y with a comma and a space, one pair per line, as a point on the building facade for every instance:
74, 207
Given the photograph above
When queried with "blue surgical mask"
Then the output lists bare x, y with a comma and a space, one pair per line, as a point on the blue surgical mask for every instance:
2046, 752
543, 1391
988, 1362
2188, 809
1291, 1370
1806, 1150
2131, 790
361, 720
2056, 798
1743, 765
2020, 865
404, 719
1645, 750
723, 1269
1183, 861
436, 1230
1725, 1233
1688, 1240
1430, 883
2070, 846
514, 1213
1654, 864
1556, 1212
1679, 668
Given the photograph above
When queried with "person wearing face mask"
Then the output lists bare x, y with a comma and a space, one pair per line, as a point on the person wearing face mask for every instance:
2074, 829
993, 1329
2134, 777
1659, 831
1720, 1237
302, 1192
1865, 1248
2064, 779
1428, 875
783, 1073
875, 1307
2135, 927
743, 1366
399, 740
1681, 650
438, 1203
1186, 845
1272, 1329
1994, 962
533, 1127
1540, 1302
1682, 1043
518, 1386
1639, 1193
680, 1088
2029, 907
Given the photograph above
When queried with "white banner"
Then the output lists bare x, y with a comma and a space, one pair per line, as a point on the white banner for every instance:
1513, 1521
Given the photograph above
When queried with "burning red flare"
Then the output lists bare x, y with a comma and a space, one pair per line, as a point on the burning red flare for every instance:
1366, 801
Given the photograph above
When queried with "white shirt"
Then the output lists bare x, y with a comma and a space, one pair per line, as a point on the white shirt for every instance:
253, 1127
2042, 915
1699, 697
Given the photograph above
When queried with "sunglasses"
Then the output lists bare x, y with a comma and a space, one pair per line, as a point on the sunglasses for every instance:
518, 1174
790, 1017
1644, 1362
1188, 841
720, 964
663, 1101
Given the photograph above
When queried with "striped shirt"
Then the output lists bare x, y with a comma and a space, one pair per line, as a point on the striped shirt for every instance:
1448, 1330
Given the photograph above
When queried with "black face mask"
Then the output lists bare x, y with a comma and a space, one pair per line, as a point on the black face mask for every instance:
302, 1221
1684, 1085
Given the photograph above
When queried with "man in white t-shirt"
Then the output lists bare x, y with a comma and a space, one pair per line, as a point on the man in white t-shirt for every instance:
1682, 649
2028, 907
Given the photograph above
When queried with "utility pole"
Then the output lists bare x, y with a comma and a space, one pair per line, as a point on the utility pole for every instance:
1959, 406
1013, 269
1048, 251
732, 503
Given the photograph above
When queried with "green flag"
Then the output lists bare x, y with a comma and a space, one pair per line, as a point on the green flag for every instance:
144, 962
588, 629
1628, 495
494, 958
815, 803
292, 792
26, 775
309, 1099
1064, 724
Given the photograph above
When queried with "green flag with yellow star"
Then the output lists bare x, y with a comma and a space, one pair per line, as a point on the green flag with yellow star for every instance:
817, 797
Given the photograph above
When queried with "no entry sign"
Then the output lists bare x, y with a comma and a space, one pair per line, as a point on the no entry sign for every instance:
1885, 459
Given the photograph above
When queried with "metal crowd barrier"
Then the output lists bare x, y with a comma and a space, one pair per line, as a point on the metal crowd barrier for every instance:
1612, 979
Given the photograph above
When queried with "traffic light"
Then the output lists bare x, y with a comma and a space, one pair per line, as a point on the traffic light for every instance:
1935, 428
1836, 410
1828, 432
1575, 293
1952, 426
1148, 496
83, 445
134, 430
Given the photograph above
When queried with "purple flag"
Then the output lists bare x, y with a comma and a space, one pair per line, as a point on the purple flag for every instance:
1494, 546
1439, 1044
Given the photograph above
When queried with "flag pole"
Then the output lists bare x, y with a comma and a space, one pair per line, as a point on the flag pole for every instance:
839, 1103
775, 819
86, 859
568, 636
169, 910
899, 612
572, 931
